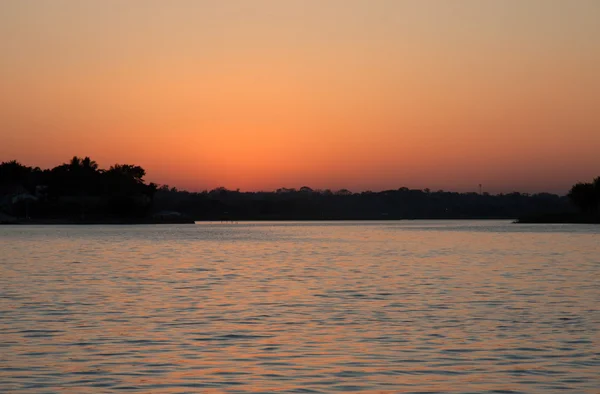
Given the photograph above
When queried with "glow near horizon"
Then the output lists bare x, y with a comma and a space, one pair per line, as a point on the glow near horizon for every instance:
329, 94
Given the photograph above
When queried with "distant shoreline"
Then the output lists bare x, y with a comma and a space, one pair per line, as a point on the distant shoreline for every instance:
559, 218
108, 221
119, 221
61, 222
566, 218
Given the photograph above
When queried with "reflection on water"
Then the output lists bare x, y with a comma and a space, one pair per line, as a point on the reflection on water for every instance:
300, 307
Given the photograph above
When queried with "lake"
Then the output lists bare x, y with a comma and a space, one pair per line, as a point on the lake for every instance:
373, 307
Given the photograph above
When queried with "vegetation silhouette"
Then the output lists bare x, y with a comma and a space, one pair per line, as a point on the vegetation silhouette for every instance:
77, 190
584, 196
80, 192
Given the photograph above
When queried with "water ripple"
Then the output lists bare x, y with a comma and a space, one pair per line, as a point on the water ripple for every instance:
472, 307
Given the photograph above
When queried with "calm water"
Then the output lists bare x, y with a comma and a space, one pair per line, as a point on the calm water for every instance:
300, 308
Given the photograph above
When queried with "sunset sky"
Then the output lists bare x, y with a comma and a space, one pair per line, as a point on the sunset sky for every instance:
262, 94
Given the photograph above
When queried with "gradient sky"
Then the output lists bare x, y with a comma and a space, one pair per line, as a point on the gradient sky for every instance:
261, 94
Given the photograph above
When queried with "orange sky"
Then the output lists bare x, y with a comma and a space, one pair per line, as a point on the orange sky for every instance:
261, 94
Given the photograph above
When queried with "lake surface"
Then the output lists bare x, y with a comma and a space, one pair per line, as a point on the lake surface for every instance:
414, 306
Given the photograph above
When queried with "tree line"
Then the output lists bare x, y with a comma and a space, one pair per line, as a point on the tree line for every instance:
308, 204
586, 196
80, 189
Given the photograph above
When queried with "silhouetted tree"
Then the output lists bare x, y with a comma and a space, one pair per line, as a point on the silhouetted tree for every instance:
14, 173
128, 171
78, 187
585, 197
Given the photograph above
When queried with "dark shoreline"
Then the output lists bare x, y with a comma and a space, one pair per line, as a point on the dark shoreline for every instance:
185, 220
564, 218
559, 218
107, 221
